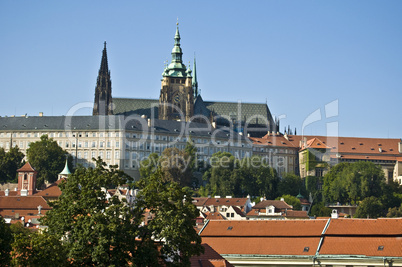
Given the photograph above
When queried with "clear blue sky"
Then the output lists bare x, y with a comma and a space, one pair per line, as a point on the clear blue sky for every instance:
296, 55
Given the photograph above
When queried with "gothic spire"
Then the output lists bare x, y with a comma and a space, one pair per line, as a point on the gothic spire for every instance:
194, 81
103, 89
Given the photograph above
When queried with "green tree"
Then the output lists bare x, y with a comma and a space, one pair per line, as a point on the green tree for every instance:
291, 184
108, 232
291, 200
9, 163
149, 165
319, 210
38, 249
48, 159
95, 230
173, 220
395, 212
352, 182
370, 207
6, 239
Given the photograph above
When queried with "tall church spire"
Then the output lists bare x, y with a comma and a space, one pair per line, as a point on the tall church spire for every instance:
194, 81
176, 101
103, 89
176, 68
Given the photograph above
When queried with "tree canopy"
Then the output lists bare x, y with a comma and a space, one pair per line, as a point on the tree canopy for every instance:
108, 232
47, 158
9, 163
353, 182
248, 176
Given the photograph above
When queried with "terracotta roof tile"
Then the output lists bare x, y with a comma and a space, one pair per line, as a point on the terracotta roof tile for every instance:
26, 168
268, 228
18, 202
199, 201
209, 258
368, 246
226, 202
296, 214
52, 190
214, 216
371, 227
10, 193
263, 246
279, 204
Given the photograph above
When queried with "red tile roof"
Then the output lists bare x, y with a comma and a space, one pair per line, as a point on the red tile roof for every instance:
18, 202
279, 204
296, 214
10, 193
199, 201
268, 228
315, 143
368, 246
263, 246
209, 258
354, 227
52, 190
273, 140
226, 202
26, 168
214, 216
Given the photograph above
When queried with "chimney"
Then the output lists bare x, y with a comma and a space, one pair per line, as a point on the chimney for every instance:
213, 124
380, 149
217, 196
149, 122
40, 114
6, 192
400, 146
334, 214
248, 135
282, 199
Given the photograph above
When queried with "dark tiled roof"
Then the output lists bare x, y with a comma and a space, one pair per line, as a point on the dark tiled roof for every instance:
115, 122
136, 106
233, 110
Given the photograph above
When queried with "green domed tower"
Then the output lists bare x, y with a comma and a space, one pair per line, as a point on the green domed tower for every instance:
176, 101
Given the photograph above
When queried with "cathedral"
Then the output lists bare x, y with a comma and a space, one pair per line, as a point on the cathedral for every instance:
180, 100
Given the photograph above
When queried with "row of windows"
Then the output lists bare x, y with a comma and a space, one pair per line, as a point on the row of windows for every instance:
88, 155
62, 134
92, 144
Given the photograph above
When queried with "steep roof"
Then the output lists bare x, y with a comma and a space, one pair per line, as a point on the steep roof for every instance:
232, 110
26, 168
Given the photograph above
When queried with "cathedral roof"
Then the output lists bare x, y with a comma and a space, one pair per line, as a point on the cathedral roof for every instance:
232, 110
